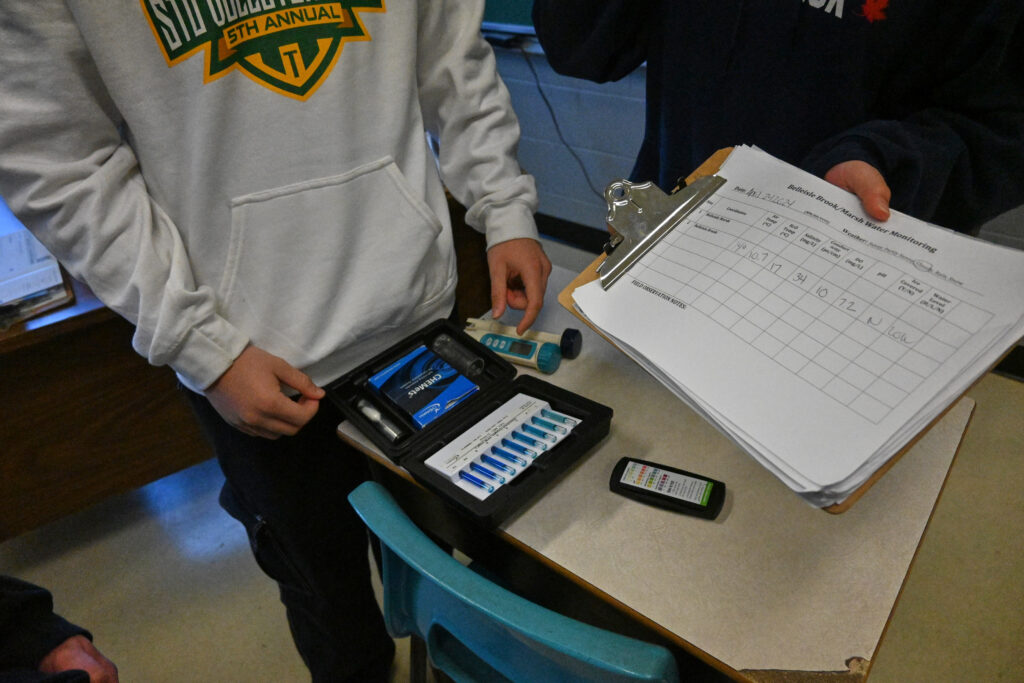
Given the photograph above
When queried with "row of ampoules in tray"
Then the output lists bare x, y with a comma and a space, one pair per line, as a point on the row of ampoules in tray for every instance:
499, 447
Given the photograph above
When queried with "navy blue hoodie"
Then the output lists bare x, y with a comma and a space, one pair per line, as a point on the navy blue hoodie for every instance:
930, 93
29, 630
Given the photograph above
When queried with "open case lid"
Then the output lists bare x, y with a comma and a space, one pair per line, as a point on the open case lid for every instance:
346, 392
405, 443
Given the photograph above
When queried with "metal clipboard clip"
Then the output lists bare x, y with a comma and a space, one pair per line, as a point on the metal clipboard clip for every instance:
640, 214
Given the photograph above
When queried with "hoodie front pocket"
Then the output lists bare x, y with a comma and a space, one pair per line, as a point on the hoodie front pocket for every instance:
318, 265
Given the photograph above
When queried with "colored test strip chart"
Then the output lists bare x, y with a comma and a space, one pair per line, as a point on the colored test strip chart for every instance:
501, 446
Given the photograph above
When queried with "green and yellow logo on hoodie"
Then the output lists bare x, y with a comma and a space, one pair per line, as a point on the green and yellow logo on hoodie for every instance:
289, 46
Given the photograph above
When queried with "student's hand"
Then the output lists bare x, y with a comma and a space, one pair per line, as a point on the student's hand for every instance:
519, 275
78, 652
866, 182
249, 397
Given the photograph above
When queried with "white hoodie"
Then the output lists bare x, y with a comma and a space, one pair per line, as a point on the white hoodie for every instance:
223, 172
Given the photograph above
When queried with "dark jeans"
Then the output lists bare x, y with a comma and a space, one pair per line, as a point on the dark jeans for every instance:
291, 496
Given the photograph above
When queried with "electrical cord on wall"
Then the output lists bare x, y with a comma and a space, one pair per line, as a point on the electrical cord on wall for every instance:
554, 120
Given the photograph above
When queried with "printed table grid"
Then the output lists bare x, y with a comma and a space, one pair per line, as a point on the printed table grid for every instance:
863, 332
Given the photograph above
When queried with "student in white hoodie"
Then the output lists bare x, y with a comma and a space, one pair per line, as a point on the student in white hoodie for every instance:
249, 182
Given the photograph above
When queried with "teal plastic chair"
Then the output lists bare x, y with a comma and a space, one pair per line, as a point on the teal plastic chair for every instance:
475, 630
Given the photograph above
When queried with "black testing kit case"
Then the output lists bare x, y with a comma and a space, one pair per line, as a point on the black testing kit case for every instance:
398, 436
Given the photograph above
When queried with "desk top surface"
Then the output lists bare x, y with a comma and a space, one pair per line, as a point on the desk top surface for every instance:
772, 583
85, 310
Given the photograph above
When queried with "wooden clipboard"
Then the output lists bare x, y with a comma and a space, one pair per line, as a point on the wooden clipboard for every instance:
589, 274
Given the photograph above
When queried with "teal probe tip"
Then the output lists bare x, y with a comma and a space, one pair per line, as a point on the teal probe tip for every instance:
549, 356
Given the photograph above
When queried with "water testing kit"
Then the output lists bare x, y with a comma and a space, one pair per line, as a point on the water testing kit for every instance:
454, 414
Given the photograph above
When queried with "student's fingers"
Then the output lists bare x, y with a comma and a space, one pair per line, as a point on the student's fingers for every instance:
499, 286
271, 420
249, 395
535, 284
520, 269
78, 653
300, 381
286, 416
865, 181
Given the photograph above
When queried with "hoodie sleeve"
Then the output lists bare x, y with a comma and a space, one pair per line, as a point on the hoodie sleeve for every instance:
29, 630
68, 173
467, 107
600, 41
953, 151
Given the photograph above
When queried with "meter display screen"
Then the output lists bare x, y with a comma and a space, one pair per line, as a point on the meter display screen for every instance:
521, 348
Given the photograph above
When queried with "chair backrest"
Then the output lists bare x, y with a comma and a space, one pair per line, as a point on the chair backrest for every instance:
476, 630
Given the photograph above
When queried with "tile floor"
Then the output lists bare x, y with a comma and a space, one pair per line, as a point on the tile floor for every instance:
166, 582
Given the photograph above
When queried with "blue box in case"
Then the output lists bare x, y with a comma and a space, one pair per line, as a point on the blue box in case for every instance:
423, 385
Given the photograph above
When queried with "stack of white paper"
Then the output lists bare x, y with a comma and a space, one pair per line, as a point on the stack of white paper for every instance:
26, 268
819, 340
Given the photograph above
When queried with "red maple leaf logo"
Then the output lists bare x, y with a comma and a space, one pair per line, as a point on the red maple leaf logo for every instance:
874, 10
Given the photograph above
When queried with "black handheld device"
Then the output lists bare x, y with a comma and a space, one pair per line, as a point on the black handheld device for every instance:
668, 487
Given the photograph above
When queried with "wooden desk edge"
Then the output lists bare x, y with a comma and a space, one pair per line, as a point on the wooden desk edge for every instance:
382, 460
85, 309
858, 666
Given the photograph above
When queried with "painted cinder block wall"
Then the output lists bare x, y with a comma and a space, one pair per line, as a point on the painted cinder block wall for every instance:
603, 124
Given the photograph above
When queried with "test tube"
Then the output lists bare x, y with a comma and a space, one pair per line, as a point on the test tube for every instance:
518, 448
385, 426
529, 441
550, 426
481, 470
559, 417
479, 483
539, 433
511, 457
498, 464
